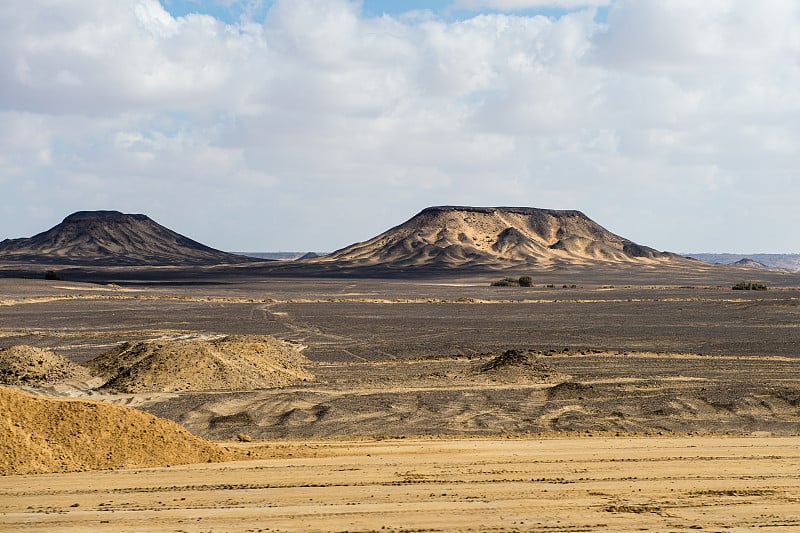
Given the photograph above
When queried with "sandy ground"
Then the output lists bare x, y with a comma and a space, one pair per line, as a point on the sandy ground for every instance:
541, 484
378, 320
393, 358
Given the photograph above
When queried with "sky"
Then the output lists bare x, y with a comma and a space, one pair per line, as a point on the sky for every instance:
295, 125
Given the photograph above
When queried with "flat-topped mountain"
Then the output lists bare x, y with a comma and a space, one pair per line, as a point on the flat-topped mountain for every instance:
495, 238
112, 238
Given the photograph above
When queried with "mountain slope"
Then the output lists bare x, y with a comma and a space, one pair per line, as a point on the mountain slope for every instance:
495, 238
112, 238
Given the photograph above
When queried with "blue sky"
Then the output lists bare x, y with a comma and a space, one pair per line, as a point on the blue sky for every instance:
233, 11
314, 124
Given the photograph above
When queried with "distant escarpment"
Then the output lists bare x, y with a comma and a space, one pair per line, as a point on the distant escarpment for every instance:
112, 238
495, 238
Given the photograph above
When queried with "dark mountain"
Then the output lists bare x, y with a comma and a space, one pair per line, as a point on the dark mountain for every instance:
308, 255
112, 238
748, 263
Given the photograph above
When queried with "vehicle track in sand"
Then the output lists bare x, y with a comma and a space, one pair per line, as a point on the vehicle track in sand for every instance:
433, 484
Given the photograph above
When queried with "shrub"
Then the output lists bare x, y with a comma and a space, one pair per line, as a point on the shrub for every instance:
749, 286
522, 281
52, 275
506, 282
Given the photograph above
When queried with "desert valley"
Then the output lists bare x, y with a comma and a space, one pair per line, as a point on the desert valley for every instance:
471, 369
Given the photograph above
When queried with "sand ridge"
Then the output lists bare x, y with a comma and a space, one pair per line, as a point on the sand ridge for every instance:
64, 435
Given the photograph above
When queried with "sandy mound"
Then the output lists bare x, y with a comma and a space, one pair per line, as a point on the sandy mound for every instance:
47, 435
518, 365
571, 390
28, 365
230, 363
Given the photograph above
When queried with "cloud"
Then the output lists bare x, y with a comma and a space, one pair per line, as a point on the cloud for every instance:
248, 133
518, 5
92, 57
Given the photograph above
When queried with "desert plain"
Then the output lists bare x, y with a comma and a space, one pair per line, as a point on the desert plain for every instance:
595, 400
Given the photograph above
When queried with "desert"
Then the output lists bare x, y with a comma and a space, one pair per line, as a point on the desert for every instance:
432, 484
624, 389
379, 265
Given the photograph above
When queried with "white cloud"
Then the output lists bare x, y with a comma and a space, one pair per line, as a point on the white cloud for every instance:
24, 142
89, 57
516, 5
678, 110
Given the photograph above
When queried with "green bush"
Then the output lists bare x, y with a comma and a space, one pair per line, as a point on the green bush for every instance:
525, 281
749, 286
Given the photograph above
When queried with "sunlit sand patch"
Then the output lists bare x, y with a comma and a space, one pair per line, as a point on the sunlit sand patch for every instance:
547, 483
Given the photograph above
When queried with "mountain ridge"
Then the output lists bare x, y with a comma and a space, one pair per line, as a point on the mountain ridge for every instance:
789, 262
437, 239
